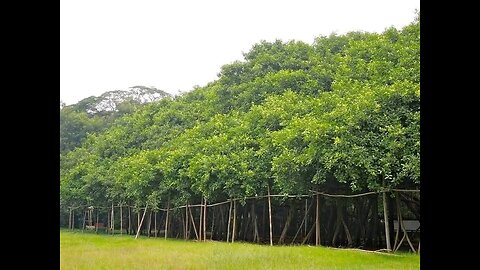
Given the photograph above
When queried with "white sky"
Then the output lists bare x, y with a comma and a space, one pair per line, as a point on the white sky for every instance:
173, 45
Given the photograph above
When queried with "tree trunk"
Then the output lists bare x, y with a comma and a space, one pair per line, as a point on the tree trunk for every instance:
149, 226
141, 222
155, 223
121, 220
270, 215
341, 222
305, 218
96, 224
375, 239
69, 218
385, 215
256, 237
402, 226
234, 220
245, 222
129, 221
229, 219
84, 218
287, 225
347, 231
213, 223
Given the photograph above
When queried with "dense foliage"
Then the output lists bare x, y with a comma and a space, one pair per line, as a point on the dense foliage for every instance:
340, 115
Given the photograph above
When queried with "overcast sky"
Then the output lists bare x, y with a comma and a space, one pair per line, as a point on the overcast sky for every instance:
173, 45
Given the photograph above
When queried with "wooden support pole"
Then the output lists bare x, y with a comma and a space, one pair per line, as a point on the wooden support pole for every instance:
200, 227
205, 220
141, 222
113, 220
234, 220
309, 234
317, 222
229, 219
186, 221
193, 222
270, 215
291, 210
166, 220
138, 219
385, 217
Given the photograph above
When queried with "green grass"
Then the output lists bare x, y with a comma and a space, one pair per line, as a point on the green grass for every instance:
89, 251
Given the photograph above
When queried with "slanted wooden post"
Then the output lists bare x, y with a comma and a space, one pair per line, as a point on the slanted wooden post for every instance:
385, 217
141, 222
193, 222
138, 218
229, 219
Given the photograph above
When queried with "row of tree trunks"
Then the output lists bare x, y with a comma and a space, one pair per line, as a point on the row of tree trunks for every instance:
243, 224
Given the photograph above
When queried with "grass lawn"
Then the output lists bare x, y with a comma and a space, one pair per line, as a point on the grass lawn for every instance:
90, 251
